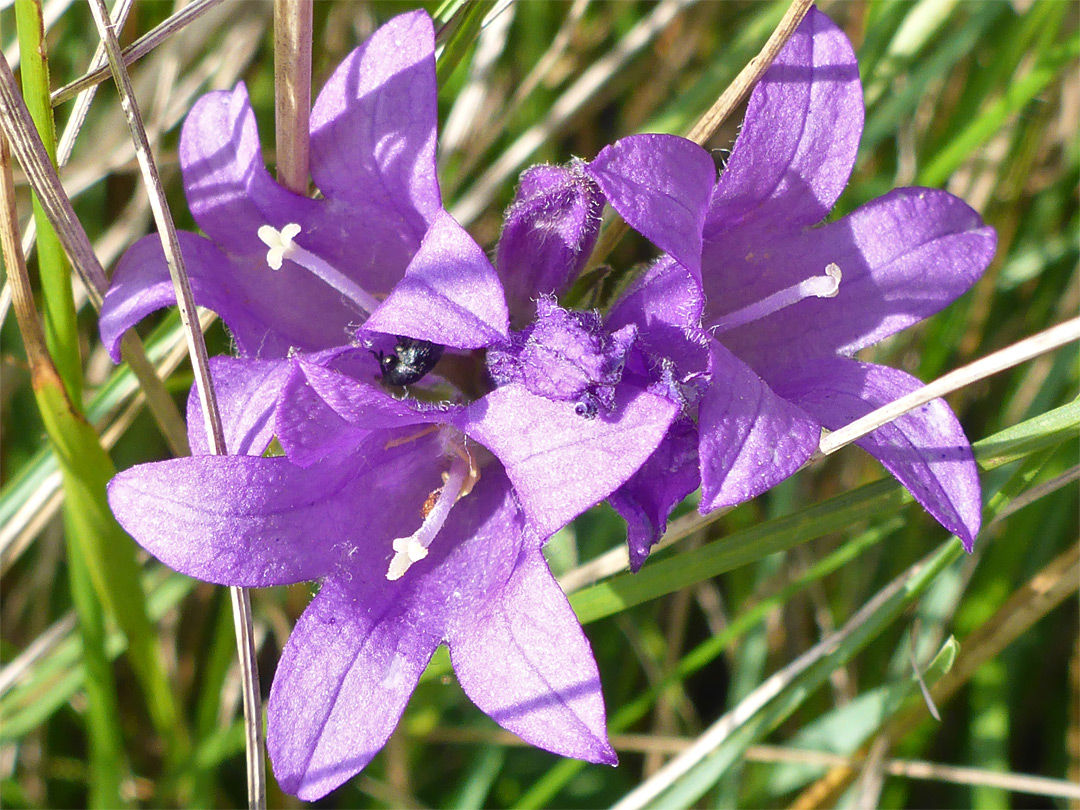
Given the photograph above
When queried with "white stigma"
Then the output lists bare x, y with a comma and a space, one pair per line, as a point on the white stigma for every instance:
280, 244
826, 286
457, 483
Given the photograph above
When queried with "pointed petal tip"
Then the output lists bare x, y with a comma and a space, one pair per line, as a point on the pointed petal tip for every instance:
607, 756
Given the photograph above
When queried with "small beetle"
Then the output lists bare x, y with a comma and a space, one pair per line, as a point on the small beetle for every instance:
411, 360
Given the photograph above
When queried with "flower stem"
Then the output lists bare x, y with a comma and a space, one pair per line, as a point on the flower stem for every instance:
292, 90
61, 329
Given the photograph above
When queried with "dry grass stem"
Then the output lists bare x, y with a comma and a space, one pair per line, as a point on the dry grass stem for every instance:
1020, 352
138, 49
292, 91
200, 364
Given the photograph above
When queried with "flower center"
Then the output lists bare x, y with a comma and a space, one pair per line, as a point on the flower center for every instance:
281, 246
826, 286
565, 357
458, 482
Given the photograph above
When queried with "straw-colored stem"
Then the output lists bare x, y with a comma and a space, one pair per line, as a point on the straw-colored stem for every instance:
292, 90
999, 361
200, 364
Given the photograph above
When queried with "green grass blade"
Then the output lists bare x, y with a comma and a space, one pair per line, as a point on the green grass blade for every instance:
105, 739
1017, 95
61, 328
464, 28
110, 555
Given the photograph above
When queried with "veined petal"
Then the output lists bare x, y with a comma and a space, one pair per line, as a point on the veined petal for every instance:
798, 141
268, 311
229, 191
237, 520
325, 413
344, 678
450, 294
751, 438
373, 126
522, 657
925, 449
904, 256
559, 462
356, 654
646, 500
660, 184
247, 392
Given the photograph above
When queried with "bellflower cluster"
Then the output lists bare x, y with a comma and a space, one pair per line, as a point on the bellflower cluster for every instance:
786, 302
423, 510
422, 516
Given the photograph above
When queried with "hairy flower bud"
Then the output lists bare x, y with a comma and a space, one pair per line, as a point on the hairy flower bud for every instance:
550, 230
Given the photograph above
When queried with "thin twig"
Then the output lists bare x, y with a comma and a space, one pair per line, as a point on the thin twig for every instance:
204, 385
733, 96
292, 91
645, 793
138, 49
1048, 340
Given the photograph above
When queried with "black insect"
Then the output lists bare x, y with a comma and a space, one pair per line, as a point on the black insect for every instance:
411, 360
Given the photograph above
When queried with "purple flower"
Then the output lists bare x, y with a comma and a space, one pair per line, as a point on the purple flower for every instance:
787, 302
372, 157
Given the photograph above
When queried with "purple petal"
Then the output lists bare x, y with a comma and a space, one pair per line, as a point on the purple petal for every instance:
237, 520
343, 680
522, 657
550, 230
666, 305
660, 184
751, 439
141, 284
903, 257
925, 449
325, 413
247, 392
228, 188
559, 462
373, 128
450, 294
268, 311
357, 652
798, 141
646, 500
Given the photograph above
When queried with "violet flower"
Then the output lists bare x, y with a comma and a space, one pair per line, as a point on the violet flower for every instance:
424, 522
788, 302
